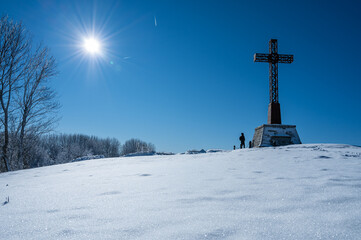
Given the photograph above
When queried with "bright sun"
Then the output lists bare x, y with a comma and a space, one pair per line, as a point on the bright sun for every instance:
92, 45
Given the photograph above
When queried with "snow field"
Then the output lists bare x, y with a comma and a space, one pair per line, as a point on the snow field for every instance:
310, 191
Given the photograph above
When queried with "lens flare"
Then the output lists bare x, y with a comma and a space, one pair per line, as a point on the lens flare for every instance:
92, 45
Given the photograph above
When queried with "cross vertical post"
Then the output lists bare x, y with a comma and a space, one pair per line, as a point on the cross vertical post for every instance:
273, 58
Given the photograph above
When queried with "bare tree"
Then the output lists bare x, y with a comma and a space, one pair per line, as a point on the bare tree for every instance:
36, 101
14, 49
27, 104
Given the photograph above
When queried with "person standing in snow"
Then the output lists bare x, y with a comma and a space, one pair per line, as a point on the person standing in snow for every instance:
242, 139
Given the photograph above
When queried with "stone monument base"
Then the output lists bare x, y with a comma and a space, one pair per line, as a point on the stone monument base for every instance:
269, 135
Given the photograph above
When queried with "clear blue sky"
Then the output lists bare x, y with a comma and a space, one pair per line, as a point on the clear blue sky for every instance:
189, 81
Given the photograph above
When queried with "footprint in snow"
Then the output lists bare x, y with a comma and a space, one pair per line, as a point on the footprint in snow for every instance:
109, 193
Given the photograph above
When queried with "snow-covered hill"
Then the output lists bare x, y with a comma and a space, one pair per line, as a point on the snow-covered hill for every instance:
291, 192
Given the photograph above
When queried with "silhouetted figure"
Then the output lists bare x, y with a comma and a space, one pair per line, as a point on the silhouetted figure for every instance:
234, 147
242, 139
250, 144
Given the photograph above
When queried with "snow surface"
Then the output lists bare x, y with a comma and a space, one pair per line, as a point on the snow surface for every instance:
290, 192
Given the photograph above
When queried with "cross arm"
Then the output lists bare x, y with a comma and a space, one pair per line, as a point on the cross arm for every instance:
261, 57
285, 58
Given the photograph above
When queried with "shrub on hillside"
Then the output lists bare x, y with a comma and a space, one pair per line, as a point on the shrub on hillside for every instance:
137, 146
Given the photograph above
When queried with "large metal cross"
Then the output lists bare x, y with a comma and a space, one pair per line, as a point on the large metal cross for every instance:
273, 58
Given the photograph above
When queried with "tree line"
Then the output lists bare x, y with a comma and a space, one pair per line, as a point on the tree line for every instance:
53, 149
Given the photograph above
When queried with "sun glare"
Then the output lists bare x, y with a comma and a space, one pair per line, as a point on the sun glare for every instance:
92, 45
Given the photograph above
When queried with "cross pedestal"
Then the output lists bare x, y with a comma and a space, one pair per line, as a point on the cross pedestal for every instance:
274, 133
269, 135
274, 113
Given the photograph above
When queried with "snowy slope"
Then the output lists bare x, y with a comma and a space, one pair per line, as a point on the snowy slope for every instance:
292, 192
